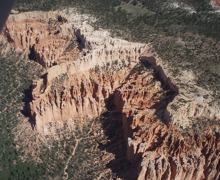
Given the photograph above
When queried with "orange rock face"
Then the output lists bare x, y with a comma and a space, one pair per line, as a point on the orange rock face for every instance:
79, 96
164, 153
48, 37
104, 73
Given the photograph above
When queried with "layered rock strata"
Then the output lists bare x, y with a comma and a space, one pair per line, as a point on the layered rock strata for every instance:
163, 151
47, 38
88, 71
81, 95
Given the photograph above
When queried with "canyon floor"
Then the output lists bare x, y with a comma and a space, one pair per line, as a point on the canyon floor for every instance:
100, 107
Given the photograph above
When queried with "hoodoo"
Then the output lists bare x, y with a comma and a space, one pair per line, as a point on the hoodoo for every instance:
88, 72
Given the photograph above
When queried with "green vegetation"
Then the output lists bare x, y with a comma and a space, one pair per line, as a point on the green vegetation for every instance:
186, 40
15, 160
135, 11
16, 75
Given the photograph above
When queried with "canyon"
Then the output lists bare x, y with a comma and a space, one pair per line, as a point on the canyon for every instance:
170, 128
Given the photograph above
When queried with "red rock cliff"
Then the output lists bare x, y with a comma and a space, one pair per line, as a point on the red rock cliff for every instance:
161, 149
87, 69
47, 37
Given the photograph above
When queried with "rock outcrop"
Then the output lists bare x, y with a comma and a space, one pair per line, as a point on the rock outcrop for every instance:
164, 152
87, 71
47, 37
80, 95
215, 2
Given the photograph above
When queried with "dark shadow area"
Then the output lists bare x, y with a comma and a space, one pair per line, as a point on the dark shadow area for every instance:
80, 39
32, 55
5, 8
61, 19
160, 75
117, 132
171, 89
112, 125
26, 111
27, 99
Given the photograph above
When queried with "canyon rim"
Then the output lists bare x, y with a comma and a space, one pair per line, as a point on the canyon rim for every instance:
168, 126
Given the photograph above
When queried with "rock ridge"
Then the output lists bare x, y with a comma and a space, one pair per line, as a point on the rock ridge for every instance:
88, 72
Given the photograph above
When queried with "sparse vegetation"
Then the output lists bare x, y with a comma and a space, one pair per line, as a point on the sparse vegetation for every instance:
185, 40
16, 75
90, 158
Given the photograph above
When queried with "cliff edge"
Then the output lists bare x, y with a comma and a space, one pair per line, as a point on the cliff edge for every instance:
168, 123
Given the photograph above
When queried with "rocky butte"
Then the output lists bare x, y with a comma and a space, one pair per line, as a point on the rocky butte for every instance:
170, 130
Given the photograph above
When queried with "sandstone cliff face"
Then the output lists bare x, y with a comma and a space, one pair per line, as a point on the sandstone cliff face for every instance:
88, 71
79, 96
47, 37
78, 89
164, 152
190, 103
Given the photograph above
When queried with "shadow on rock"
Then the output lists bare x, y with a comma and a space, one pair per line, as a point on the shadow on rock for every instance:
117, 145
